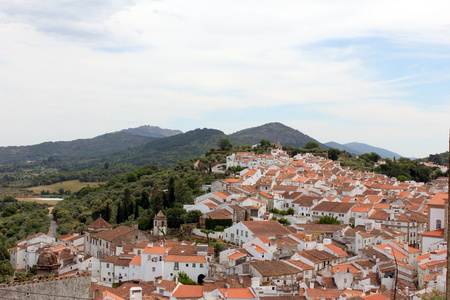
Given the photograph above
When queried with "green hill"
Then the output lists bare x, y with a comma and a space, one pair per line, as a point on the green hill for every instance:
276, 133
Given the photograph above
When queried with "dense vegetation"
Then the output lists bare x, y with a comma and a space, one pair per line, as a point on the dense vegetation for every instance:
137, 196
276, 132
20, 219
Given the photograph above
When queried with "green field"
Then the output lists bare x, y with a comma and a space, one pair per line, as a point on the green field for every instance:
50, 202
72, 185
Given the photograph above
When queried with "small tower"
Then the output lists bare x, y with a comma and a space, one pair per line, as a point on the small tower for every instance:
160, 224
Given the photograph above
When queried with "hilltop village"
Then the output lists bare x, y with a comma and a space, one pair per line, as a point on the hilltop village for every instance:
301, 227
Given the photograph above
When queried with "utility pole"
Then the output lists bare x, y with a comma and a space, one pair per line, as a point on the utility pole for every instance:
447, 288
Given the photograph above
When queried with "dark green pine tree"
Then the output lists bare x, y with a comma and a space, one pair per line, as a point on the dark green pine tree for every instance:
136, 211
171, 192
107, 213
145, 200
119, 214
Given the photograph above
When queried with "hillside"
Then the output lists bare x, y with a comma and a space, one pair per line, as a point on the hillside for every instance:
167, 151
276, 133
106, 143
77, 148
360, 148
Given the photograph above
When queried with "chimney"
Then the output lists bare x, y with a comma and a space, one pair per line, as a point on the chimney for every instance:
255, 282
319, 247
406, 246
433, 256
136, 293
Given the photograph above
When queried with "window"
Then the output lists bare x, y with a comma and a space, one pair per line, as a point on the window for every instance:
237, 231
201, 265
246, 234
187, 265
153, 269
176, 267
107, 265
438, 224
193, 265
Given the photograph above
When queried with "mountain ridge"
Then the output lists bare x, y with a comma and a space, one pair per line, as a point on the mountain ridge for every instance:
356, 148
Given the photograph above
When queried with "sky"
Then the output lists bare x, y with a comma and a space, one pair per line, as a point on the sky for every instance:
375, 72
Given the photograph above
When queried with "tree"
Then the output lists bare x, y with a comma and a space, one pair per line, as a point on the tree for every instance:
183, 278
328, 220
290, 211
9, 211
224, 144
193, 216
136, 211
434, 295
333, 153
284, 221
171, 192
119, 214
175, 216
4, 253
311, 145
207, 232
264, 144
6, 271
145, 200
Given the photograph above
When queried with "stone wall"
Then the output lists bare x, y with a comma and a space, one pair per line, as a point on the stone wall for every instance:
74, 287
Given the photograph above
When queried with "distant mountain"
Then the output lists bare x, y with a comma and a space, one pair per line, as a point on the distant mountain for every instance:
275, 133
151, 131
106, 143
165, 152
78, 148
360, 148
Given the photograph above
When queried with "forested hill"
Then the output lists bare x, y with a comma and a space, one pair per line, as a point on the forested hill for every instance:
276, 133
170, 150
78, 148
106, 143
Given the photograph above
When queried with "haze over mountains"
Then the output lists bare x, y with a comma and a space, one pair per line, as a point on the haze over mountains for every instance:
360, 148
163, 147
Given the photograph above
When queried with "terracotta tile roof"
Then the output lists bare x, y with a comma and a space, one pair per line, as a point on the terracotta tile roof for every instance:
266, 228
274, 268
167, 285
434, 233
185, 258
345, 267
339, 252
100, 223
301, 265
321, 228
188, 291
439, 199
155, 250
243, 293
123, 260
116, 233
236, 255
136, 260
335, 207
217, 215
188, 250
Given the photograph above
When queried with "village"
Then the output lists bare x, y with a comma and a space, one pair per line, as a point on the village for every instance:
386, 240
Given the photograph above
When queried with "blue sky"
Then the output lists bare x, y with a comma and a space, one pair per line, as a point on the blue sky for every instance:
375, 72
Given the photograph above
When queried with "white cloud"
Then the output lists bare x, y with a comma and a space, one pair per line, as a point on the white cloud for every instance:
109, 64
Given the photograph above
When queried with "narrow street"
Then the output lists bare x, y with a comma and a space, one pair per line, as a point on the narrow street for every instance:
53, 225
